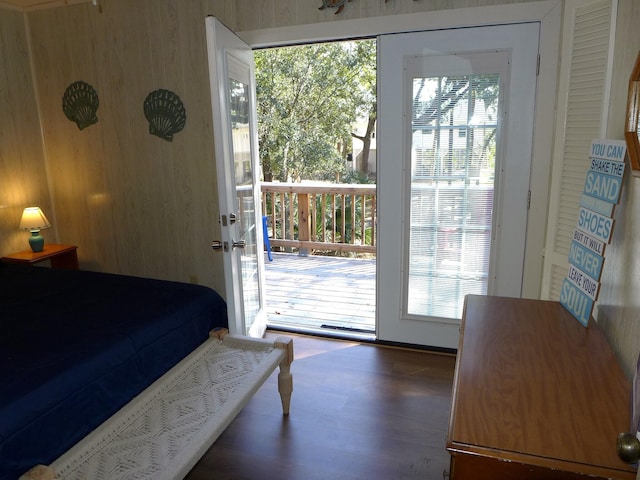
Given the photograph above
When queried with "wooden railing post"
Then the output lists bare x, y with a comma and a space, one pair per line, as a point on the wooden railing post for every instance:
304, 224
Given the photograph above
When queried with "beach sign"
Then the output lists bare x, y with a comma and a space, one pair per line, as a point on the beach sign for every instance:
594, 227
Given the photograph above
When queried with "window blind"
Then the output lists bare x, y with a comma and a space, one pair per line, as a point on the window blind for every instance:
454, 131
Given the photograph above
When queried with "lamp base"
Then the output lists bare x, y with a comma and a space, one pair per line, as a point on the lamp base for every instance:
36, 241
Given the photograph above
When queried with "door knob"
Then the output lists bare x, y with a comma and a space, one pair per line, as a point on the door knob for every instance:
628, 447
239, 244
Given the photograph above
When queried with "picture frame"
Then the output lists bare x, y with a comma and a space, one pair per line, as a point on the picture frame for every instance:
632, 124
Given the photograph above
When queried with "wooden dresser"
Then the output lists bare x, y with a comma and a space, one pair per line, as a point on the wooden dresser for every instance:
536, 395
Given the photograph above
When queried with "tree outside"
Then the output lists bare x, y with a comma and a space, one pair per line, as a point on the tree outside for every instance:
309, 100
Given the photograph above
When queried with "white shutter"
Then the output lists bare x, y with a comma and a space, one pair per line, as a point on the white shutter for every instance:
583, 98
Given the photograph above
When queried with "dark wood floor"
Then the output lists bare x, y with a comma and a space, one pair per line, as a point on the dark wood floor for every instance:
358, 411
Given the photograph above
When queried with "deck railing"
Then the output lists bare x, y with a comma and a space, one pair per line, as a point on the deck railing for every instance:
321, 217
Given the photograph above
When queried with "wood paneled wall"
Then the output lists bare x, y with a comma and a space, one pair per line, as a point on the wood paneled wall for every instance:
133, 203
23, 180
259, 14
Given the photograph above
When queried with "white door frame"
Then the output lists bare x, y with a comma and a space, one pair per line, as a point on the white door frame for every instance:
548, 13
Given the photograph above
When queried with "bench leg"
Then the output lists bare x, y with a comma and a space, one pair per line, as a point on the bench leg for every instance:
39, 472
285, 379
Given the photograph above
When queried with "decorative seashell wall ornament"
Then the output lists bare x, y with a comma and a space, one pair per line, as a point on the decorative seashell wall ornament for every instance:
339, 4
80, 104
165, 113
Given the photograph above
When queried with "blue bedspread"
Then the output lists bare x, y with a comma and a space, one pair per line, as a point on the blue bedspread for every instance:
75, 346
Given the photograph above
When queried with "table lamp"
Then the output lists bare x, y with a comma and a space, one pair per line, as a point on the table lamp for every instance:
34, 220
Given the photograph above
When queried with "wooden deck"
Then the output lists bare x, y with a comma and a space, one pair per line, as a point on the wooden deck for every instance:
331, 295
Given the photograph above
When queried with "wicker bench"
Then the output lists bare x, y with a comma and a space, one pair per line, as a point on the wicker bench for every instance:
164, 431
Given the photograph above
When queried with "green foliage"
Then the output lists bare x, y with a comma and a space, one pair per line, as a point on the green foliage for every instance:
353, 176
332, 231
308, 99
435, 102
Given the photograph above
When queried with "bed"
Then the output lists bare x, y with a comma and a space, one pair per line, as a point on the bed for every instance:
77, 346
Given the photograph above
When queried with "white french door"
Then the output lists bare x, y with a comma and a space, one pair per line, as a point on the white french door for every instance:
231, 72
456, 114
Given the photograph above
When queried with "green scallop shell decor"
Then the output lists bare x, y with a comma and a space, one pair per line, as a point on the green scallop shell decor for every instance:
80, 104
165, 113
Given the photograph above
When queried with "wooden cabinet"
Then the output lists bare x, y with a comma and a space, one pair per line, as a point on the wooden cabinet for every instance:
536, 395
60, 256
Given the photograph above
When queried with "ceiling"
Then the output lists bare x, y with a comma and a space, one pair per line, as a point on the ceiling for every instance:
28, 5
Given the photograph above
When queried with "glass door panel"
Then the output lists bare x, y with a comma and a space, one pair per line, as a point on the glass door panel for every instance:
454, 124
239, 104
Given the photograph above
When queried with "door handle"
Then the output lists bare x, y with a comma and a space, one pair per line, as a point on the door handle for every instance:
217, 245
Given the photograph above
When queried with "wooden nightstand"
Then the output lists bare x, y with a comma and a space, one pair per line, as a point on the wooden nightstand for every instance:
61, 256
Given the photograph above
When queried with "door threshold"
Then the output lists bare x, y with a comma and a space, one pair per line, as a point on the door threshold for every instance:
358, 337
344, 333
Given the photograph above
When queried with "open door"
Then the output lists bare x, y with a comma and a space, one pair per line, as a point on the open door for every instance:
232, 79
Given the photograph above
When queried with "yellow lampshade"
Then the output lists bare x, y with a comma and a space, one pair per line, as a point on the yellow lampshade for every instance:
33, 219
